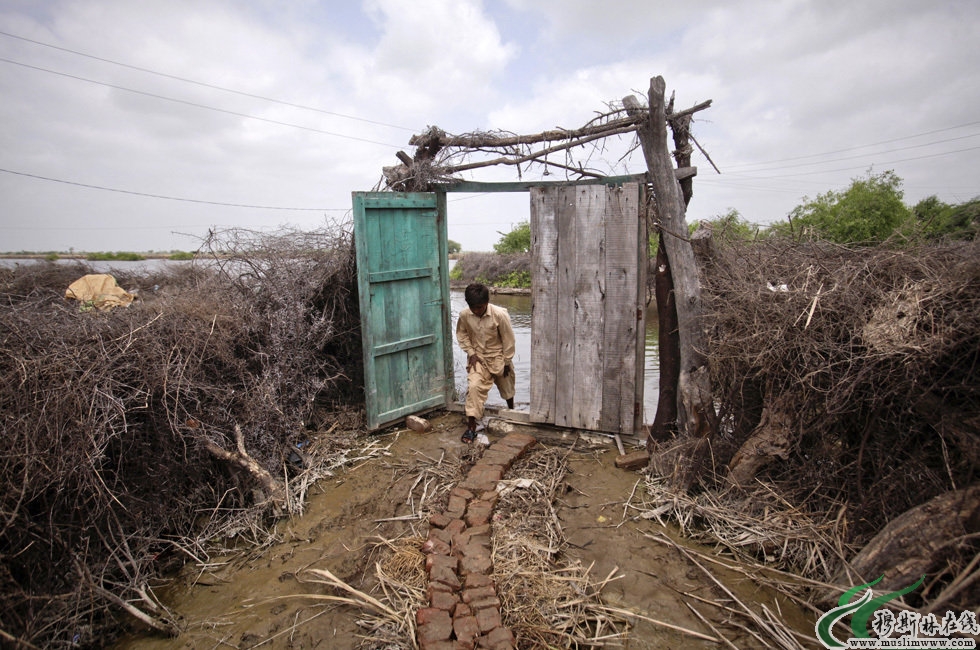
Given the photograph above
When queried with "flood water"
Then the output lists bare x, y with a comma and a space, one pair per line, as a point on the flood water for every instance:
520, 317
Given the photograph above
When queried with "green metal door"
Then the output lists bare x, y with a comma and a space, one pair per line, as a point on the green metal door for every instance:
403, 281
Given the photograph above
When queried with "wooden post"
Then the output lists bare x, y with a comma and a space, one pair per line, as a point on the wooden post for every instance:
696, 416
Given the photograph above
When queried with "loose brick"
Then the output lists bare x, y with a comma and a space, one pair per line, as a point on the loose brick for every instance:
456, 526
433, 561
477, 580
634, 460
462, 609
439, 520
444, 600
427, 615
441, 630
465, 540
475, 565
474, 531
501, 638
479, 484
478, 513
488, 472
446, 576
471, 594
415, 423
441, 533
474, 549
503, 457
436, 645
436, 546
519, 439
467, 630
485, 603
491, 497
461, 492
488, 619
457, 506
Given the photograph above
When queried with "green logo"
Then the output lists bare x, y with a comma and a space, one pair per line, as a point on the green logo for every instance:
862, 609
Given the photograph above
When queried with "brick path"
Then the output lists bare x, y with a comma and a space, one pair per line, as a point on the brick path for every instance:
464, 611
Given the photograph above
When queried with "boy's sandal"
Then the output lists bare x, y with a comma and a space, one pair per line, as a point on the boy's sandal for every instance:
468, 436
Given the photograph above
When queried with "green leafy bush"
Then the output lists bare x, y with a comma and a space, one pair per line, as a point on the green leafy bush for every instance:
867, 212
517, 240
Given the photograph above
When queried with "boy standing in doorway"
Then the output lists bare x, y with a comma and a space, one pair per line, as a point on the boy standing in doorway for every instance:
486, 336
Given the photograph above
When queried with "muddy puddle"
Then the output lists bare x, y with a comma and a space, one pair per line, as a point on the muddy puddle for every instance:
259, 598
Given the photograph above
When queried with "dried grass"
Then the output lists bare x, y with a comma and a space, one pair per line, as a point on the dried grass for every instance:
753, 524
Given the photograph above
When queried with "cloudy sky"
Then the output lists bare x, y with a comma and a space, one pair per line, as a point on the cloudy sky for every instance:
138, 125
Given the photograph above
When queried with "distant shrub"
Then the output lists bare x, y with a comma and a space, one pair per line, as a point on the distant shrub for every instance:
518, 240
494, 270
515, 280
114, 257
180, 256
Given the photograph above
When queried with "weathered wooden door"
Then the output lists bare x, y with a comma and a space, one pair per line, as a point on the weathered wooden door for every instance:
588, 307
403, 281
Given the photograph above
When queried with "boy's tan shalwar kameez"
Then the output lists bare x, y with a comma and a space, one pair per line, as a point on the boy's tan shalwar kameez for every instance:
491, 339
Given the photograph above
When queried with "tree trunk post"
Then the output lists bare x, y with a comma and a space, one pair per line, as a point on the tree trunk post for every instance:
695, 407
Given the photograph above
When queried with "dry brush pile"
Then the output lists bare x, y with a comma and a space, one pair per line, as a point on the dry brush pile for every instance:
492, 269
849, 389
132, 434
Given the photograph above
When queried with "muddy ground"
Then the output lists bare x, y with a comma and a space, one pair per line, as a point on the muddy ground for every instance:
257, 598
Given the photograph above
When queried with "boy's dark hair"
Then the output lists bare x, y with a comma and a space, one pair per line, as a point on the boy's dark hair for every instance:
476, 294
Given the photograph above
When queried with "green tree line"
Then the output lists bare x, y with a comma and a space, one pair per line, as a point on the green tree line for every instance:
870, 211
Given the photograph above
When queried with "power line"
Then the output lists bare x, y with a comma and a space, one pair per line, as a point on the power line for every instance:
861, 146
205, 84
170, 198
863, 155
844, 169
196, 105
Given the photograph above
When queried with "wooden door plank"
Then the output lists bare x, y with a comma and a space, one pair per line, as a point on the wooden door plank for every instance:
633, 333
446, 378
587, 307
544, 307
565, 207
642, 255
619, 314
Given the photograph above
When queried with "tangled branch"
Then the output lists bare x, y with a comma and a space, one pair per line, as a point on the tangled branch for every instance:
439, 156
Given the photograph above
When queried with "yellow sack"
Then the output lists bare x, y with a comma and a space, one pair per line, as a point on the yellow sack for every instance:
99, 291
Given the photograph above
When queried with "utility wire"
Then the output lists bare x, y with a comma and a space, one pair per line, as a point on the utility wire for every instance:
863, 155
861, 146
748, 174
169, 198
205, 84
196, 105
